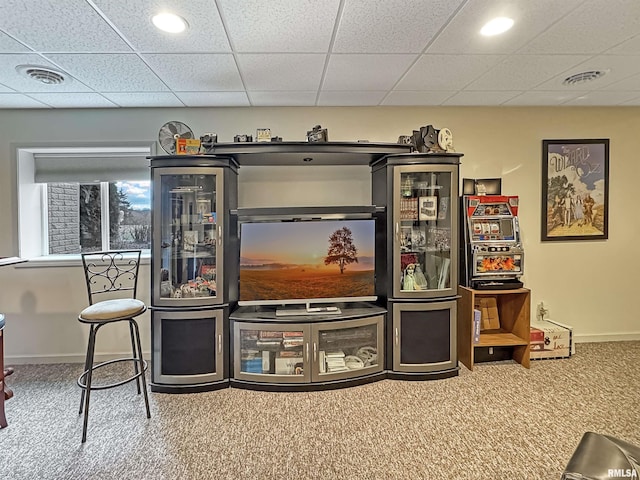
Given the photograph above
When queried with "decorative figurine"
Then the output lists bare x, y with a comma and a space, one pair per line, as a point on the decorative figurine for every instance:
413, 278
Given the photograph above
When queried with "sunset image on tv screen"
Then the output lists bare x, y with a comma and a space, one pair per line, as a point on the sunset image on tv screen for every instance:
307, 260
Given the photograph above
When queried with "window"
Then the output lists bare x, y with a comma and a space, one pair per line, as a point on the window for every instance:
77, 221
82, 199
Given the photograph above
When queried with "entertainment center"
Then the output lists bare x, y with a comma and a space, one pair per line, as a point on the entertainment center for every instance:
300, 298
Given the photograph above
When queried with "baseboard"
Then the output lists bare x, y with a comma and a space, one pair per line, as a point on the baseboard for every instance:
65, 358
611, 337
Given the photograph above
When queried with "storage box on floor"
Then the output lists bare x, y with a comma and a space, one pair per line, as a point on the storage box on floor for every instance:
550, 339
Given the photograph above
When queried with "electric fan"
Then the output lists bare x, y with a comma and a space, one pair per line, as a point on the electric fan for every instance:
170, 132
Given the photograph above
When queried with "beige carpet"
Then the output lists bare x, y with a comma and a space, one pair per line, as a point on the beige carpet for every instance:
501, 421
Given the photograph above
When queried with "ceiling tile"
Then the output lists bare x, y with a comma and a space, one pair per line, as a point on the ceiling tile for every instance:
603, 98
446, 72
480, 98
196, 72
279, 25
291, 98
409, 25
4, 89
462, 34
110, 72
631, 84
593, 28
133, 19
365, 72
416, 97
633, 102
9, 45
11, 78
350, 98
17, 100
214, 99
617, 67
286, 71
73, 100
630, 47
539, 98
60, 26
149, 99
522, 72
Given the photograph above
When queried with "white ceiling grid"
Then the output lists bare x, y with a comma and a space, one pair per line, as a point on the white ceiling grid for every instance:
319, 52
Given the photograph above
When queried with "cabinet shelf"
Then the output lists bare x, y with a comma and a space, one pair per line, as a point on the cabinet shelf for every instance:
500, 338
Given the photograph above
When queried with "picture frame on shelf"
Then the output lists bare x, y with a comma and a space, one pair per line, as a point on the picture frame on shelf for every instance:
405, 238
189, 240
575, 190
418, 238
428, 208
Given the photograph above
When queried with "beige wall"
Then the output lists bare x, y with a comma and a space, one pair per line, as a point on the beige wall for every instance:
588, 285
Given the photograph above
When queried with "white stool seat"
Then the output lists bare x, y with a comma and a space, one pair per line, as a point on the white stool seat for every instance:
112, 310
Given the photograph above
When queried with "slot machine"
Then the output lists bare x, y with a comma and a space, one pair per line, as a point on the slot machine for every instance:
493, 253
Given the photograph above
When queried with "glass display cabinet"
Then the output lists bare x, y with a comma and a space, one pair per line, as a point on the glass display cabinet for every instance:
193, 251
423, 222
304, 351
417, 260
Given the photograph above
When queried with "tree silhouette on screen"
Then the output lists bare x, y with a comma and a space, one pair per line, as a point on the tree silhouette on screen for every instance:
341, 249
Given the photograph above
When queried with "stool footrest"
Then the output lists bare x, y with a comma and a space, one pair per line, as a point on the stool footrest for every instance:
82, 378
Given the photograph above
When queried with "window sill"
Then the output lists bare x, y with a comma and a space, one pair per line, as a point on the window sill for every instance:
67, 261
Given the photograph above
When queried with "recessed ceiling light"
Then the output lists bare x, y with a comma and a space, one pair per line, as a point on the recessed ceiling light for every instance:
46, 75
169, 22
496, 26
583, 77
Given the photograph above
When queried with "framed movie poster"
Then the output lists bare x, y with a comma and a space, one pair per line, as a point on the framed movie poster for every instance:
575, 189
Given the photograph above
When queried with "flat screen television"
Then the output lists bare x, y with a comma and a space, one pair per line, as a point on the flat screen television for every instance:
307, 262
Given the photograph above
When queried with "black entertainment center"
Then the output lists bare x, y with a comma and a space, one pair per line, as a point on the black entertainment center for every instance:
301, 298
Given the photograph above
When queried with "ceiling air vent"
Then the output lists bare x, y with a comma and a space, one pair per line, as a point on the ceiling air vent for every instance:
583, 77
45, 75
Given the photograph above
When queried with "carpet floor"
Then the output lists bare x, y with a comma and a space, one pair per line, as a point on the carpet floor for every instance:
499, 421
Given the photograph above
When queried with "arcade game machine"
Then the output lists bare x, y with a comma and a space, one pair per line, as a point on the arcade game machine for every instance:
493, 254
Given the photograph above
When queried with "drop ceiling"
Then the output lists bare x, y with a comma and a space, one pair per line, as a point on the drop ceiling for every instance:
320, 52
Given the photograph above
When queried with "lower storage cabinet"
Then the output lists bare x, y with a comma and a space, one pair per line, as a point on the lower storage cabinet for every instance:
188, 350
423, 339
307, 351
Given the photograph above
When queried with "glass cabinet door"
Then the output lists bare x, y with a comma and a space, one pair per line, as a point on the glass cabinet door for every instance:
271, 352
425, 222
347, 348
187, 236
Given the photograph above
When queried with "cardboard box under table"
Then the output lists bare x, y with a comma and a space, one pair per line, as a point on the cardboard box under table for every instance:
550, 339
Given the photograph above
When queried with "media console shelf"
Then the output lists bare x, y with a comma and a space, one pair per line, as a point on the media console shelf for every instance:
514, 310
307, 352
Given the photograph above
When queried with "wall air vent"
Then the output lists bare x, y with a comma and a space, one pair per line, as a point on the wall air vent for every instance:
583, 77
41, 74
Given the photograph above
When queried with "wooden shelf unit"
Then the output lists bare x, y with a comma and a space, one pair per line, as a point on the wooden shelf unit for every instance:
514, 311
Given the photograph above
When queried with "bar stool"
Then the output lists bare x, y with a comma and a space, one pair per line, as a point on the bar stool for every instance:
112, 281
5, 392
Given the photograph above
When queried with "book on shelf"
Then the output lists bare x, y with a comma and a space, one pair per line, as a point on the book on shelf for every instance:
270, 334
334, 354
477, 318
322, 361
269, 343
293, 334
292, 342
288, 353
